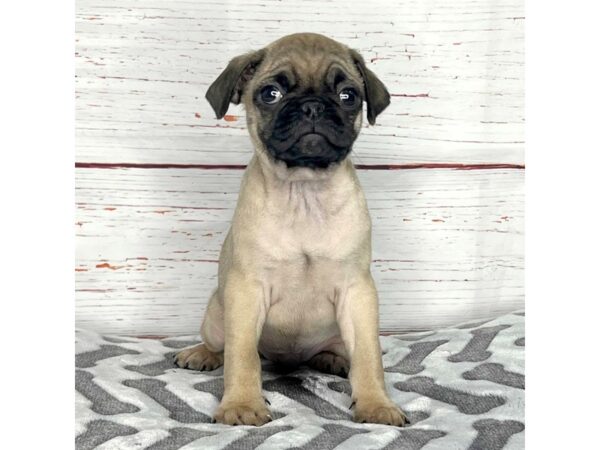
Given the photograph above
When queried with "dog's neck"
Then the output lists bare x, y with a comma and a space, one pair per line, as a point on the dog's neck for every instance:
322, 192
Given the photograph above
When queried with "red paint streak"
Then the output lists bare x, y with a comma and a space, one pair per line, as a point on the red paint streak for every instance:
230, 118
377, 58
197, 115
410, 95
79, 269
107, 266
457, 166
92, 165
110, 209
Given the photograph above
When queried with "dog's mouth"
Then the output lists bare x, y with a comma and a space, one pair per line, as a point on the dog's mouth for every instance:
312, 150
313, 141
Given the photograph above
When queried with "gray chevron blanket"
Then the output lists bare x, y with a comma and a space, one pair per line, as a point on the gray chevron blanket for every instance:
462, 388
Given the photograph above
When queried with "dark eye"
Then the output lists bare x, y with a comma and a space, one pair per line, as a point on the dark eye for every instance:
270, 94
348, 97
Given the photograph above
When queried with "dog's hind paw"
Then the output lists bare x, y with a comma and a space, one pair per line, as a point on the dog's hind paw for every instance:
199, 358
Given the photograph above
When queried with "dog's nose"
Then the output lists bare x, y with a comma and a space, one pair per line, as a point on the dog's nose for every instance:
313, 110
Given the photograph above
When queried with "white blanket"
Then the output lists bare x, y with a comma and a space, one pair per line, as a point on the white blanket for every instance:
462, 388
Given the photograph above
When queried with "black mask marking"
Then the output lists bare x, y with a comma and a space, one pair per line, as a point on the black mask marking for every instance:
309, 130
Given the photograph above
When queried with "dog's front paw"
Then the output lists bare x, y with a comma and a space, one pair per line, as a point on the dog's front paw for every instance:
383, 412
199, 358
253, 412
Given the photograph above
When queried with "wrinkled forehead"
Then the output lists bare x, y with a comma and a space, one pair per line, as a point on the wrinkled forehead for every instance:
308, 67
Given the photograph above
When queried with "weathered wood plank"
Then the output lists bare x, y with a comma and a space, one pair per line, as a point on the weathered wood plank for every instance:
455, 73
447, 245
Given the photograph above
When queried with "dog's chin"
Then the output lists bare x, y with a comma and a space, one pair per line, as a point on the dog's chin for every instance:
311, 151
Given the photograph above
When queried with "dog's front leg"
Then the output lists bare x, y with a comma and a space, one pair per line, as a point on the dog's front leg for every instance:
244, 316
357, 316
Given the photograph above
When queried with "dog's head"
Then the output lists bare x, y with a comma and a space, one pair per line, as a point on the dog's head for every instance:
303, 96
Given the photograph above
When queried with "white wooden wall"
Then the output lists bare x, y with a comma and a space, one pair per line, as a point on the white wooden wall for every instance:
442, 169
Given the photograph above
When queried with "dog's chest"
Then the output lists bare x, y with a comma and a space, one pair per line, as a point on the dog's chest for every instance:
308, 251
306, 226
304, 260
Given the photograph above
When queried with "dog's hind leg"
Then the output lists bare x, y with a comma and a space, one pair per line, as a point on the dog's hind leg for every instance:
209, 354
332, 359
329, 362
199, 357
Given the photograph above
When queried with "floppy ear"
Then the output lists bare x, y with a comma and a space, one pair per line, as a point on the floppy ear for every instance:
377, 95
228, 87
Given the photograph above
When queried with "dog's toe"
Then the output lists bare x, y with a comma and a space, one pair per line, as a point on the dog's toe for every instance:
199, 358
383, 413
329, 362
245, 413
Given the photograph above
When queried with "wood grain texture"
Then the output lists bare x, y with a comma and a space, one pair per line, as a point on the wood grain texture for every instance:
447, 245
455, 72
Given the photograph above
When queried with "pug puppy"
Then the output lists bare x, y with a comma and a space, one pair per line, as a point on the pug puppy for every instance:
294, 280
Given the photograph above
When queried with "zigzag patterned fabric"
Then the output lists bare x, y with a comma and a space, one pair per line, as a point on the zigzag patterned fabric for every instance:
462, 388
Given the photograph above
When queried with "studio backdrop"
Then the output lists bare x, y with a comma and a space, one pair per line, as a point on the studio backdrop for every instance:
157, 175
